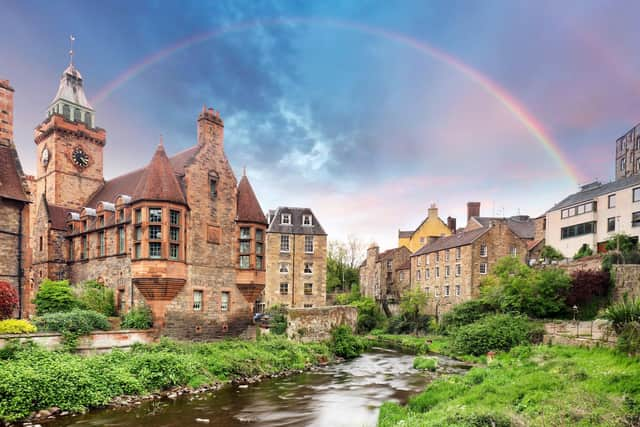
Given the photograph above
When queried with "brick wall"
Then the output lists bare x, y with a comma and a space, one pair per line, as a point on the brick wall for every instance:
315, 324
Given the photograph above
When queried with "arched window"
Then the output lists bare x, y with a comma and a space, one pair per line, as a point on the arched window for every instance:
77, 115
66, 112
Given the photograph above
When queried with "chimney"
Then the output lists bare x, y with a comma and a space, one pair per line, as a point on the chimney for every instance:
433, 211
6, 113
473, 209
210, 127
451, 223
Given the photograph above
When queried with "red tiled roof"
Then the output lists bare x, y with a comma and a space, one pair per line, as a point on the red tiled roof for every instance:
249, 209
11, 175
158, 181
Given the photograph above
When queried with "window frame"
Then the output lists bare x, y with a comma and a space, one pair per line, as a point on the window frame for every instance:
308, 288
484, 270
200, 306
285, 238
306, 217
284, 288
308, 239
225, 305
288, 219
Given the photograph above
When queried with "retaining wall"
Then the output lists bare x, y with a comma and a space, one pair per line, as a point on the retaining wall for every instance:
315, 324
589, 334
627, 281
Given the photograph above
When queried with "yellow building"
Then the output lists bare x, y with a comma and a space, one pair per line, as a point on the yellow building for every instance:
431, 227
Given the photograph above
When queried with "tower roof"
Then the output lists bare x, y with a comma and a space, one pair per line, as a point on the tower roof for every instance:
158, 181
249, 209
71, 89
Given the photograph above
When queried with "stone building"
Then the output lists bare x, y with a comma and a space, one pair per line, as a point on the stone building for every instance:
14, 205
179, 235
384, 276
628, 154
296, 259
431, 227
450, 269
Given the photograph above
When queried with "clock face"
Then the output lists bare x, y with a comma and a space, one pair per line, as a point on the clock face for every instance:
80, 158
45, 156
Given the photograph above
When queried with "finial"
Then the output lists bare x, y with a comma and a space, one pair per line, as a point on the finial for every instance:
161, 144
71, 40
244, 171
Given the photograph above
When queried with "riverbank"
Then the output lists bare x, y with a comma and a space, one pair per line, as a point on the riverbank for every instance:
33, 379
533, 386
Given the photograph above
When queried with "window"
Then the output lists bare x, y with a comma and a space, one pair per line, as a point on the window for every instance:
635, 219
611, 224
174, 217
426, 290
284, 268
307, 220
483, 268
224, 301
426, 273
418, 275
284, 243
66, 112
457, 290
308, 306
101, 221
446, 271
401, 275
71, 254
458, 253
308, 288
636, 191
623, 164
121, 215
446, 291
285, 219
458, 270
245, 233
87, 119
155, 232
579, 210
483, 250
138, 216
437, 272
174, 234
174, 251
77, 115
514, 251
308, 268
85, 248
308, 244
446, 255
437, 256
101, 243
41, 243
245, 246
138, 250
138, 233
155, 215
155, 249
213, 187
388, 264
284, 288
244, 261
578, 230
612, 201
259, 263
436, 292
259, 235
197, 300
418, 262
426, 259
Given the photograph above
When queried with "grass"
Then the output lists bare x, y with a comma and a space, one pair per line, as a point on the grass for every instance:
32, 378
423, 363
531, 386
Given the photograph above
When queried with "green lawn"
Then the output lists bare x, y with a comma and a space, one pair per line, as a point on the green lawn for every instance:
531, 386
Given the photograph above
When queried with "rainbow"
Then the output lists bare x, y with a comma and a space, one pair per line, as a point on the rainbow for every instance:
511, 104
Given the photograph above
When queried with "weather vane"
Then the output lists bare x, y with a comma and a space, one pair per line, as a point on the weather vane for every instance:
71, 40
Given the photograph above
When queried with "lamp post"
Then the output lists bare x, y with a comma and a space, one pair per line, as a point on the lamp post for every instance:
575, 312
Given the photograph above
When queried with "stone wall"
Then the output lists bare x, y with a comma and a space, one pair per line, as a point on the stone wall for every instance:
589, 334
627, 281
315, 324
97, 342
593, 262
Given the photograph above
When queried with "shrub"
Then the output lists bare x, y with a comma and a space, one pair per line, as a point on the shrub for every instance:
369, 314
585, 250
54, 297
424, 363
549, 253
622, 242
629, 338
16, 326
8, 300
96, 297
466, 313
345, 344
137, 318
278, 323
622, 313
493, 333
589, 290
80, 322
401, 325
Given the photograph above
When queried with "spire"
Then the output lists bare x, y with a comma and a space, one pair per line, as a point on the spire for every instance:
71, 40
249, 209
158, 181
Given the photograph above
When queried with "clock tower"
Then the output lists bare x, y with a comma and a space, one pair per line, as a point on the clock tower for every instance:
69, 146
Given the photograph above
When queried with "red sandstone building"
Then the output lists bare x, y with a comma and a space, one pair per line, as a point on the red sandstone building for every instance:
180, 235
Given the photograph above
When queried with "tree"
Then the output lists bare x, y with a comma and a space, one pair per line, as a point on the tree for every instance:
343, 261
549, 253
585, 250
412, 304
8, 300
622, 243
53, 297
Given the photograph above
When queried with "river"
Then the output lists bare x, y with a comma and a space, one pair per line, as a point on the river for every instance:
347, 394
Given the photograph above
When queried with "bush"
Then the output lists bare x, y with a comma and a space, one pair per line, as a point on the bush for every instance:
589, 290
54, 297
137, 318
499, 332
345, 344
96, 297
629, 338
585, 250
80, 322
622, 313
465, 314
424, 363
549, 253
8, 300
369, 314
15, 326
278, 323
401, 325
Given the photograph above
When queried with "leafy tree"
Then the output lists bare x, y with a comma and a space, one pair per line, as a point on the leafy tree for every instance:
54, 297
8, 300
369, 314
94, 296
343, 261
622, 242
549, 253
621, 249
466, 313
412, 305
585, 250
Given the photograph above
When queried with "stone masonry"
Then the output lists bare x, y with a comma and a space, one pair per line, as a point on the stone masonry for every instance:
315, 324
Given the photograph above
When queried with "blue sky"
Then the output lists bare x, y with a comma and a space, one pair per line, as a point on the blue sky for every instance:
363, 128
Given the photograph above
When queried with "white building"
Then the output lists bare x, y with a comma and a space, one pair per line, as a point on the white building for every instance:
593, 215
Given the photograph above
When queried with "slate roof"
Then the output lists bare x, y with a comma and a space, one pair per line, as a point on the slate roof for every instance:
70, 88
389, 253
593, 190
11, 175
57, 216
127, 183
296, 226
461, 238
158, 181
522, 226
249, 209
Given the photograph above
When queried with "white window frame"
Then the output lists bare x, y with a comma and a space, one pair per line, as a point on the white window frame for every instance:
447, 271
284, 270
197, 302
437, 272
514, 251
283, 238
310, 268
418, 275
447, 291
458, 253
458, 269
306, 239
458, 289
309, 218
418, 262
285, 219
484, 268
427, 273
426, 259
484, 250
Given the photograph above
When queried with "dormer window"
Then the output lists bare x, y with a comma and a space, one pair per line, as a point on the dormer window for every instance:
307, 220
285, 219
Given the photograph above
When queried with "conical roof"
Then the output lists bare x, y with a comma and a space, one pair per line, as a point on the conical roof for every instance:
158, 181
249, 209
71, 89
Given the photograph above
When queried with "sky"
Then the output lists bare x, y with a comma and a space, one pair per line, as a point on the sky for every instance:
365, 111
